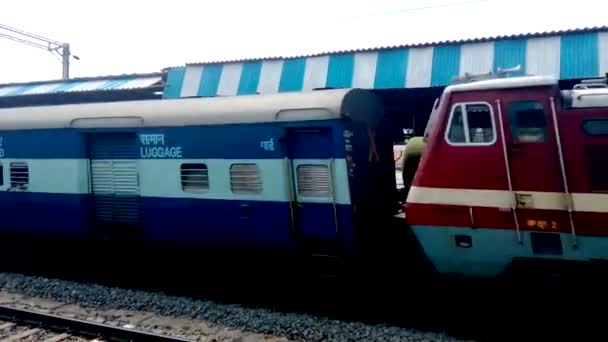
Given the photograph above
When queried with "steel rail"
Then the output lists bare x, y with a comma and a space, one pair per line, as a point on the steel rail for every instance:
80, 327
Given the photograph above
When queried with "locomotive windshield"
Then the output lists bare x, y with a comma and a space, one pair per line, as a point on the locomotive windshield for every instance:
432, 118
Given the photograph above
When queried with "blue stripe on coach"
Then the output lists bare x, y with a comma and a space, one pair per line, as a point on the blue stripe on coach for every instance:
194, 141
267, 224
44, 213
44, 144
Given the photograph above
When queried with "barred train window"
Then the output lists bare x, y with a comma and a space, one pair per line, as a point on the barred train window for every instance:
471, 124
195, 177
20, 175
245, 179
314, 181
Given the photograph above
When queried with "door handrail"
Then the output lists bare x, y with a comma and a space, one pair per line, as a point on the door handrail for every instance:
290, 191
333, 192
562, 165
508, 166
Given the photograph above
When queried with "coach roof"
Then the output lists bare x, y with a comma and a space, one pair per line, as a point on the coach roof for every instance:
504, 83
359, 105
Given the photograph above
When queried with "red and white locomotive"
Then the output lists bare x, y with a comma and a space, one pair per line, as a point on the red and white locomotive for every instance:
512, 169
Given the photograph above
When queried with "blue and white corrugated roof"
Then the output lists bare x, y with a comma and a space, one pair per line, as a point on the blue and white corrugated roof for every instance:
566, 55
79, 85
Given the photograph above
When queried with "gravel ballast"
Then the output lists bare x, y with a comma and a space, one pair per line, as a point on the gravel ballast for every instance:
257, 320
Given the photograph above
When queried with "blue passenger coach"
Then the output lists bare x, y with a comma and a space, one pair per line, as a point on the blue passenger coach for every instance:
282, 172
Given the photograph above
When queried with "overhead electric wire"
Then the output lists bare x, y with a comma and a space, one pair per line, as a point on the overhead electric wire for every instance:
412, 9
57, 49
19, 40
27, 34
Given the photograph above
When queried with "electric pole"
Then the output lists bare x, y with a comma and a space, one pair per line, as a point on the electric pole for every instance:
54, 47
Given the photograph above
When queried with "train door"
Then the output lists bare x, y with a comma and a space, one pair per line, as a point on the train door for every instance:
114, 183
530, 145
314, 207
533, 160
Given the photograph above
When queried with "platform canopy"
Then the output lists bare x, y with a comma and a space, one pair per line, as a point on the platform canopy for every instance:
566, 55
79, 90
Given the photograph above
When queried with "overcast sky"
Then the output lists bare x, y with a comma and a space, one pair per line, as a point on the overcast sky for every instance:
115, 37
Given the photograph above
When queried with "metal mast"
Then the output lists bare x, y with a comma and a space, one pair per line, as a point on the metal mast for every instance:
60, 49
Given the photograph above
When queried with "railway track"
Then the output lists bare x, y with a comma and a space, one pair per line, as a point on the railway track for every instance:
17, 324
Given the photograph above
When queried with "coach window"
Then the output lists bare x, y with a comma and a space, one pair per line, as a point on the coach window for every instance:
528, 121
194, 177
471, 124
20, 175
245, 179
314, 181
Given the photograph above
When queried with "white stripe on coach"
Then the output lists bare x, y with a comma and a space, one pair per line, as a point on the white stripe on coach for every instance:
273, 172
66, 176
597, 203
161, 178
587, 202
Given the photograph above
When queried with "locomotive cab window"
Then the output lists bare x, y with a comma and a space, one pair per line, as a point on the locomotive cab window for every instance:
597, 167
245, 179
528, 121
596, 126
20, 175
194, 177
314, 181
471, 124
596, 155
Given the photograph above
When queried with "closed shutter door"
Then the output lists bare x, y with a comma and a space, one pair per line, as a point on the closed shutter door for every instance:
114, 178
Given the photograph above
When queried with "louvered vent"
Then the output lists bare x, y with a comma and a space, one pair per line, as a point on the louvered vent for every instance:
115, 179
20, 175
245, 179
314, 181
195, 177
